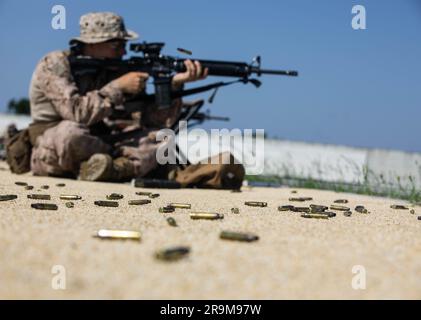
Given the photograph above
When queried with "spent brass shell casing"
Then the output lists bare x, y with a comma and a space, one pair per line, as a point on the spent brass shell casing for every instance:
256, 204
69, 204
172, 254
143, 193
70, 197
44, 206
235, 210
45, 187
285, 208
139, 202
339, 208
171, 221
340, 201
328, 213
315, 216
184, 51
39, 196
317, 211
103, 203
7, 197
60, 185
115, 196
412, 211
166, 209
301, 209
399, 207
206, 215
180, 205
317, 207
238, 236
29, 187
347, 213
154, 195
118, 234
361, 209
20, 183
300, 199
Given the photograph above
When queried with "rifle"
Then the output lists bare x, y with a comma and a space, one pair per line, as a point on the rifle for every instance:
162, 68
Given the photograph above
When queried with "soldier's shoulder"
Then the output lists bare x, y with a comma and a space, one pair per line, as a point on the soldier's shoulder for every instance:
56, 62
55, 56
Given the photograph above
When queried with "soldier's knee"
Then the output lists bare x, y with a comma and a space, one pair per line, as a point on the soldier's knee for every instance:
72, 127
71, 133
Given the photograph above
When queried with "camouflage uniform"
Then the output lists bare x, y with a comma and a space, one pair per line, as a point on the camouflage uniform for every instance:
75, 104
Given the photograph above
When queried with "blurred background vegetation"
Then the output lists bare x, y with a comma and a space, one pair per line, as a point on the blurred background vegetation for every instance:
20, 106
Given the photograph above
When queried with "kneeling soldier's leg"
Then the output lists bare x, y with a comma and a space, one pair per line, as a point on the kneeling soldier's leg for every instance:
61, 149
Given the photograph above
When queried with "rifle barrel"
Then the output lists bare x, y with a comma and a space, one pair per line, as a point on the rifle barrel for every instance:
291, 73
233, 69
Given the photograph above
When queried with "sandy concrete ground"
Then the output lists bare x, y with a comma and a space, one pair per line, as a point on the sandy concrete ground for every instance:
294, 257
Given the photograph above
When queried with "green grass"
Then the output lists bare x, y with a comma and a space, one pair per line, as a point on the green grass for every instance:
383, 189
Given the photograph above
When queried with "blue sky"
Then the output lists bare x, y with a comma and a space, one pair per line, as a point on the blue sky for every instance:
356, 88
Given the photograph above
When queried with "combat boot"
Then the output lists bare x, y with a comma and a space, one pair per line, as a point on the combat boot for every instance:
101, 167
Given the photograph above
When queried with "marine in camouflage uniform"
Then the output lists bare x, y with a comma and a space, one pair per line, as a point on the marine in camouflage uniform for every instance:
70, 108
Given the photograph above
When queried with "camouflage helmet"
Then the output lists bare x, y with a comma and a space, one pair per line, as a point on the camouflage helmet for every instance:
96, 27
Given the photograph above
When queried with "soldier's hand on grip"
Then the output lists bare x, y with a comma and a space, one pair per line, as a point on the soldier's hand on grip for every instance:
132, 82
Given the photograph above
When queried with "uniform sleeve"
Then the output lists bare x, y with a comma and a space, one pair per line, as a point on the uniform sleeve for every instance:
57, 83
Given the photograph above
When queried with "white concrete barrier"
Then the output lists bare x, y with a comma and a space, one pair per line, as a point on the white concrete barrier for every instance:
394, 168
316, 161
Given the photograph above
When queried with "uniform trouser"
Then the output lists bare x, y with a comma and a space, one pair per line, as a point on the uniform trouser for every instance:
60, 150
